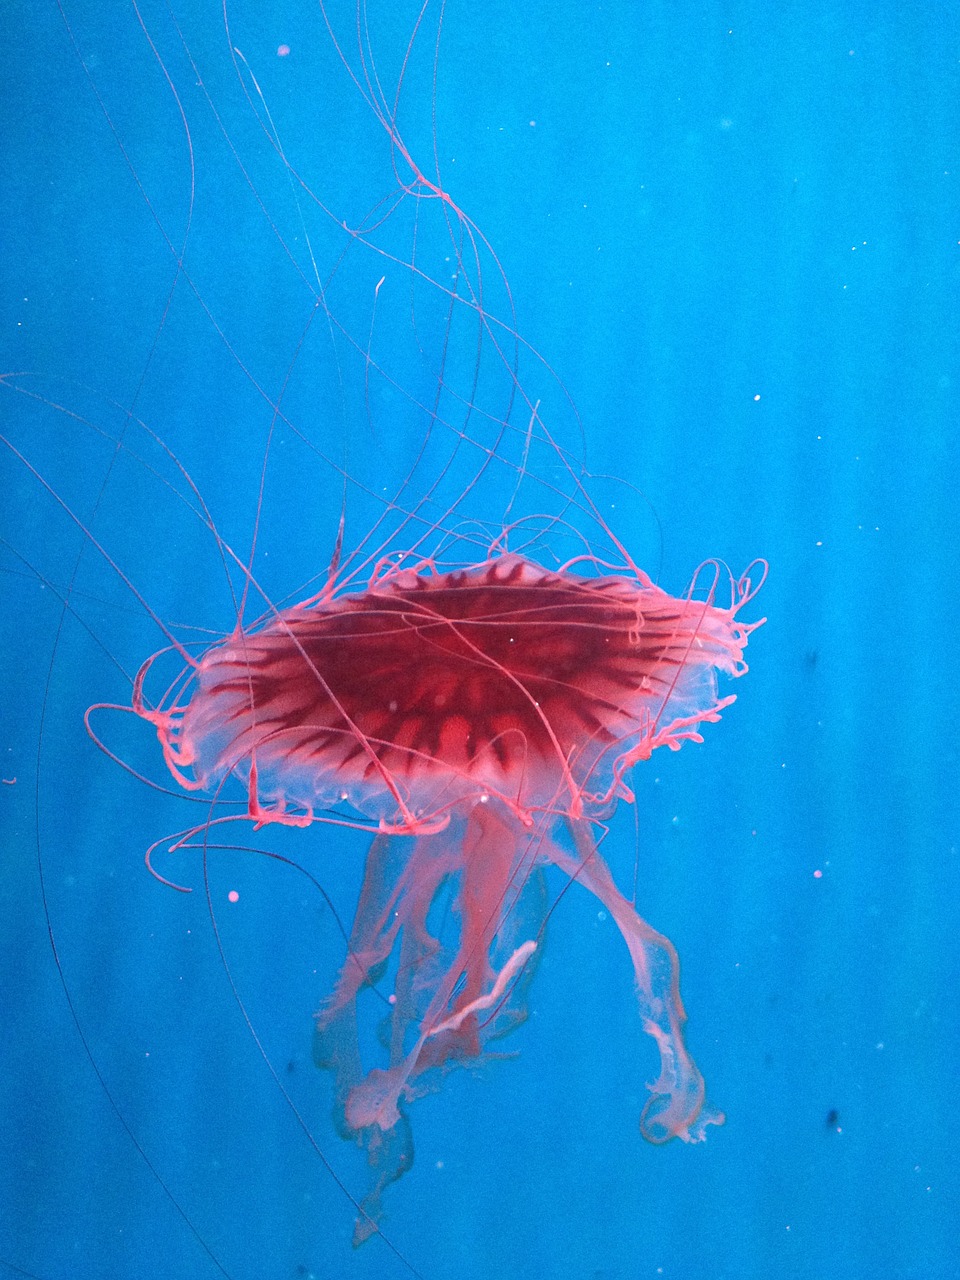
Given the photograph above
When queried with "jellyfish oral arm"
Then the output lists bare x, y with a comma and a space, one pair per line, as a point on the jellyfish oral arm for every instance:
376, 1100
452, 991
509, 971
677, 1106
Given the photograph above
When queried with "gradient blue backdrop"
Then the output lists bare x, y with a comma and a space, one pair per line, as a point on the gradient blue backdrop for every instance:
734, 232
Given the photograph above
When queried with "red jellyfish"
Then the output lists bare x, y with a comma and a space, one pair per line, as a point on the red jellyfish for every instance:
479, 710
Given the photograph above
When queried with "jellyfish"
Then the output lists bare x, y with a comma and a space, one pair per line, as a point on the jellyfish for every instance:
477, 695
483, 719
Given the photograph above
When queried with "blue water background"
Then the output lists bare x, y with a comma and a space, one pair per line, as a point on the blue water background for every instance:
733, 231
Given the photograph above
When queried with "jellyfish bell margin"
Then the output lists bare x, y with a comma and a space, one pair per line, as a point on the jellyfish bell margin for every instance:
465, 715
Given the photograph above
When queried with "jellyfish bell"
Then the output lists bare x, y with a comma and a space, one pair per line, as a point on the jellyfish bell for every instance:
411, 699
